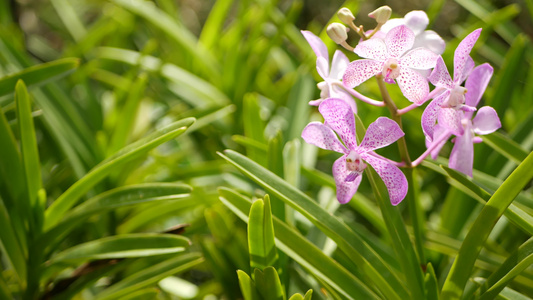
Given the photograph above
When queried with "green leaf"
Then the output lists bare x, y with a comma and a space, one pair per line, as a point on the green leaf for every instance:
377, 270
11, 247
11, 171
122, 246
308, 295
248, 289
148, 293
517, 262
506, 147
431, 284
261, 235
302, 251
69, 198
212, 29
30, 155
39, 74
151, 275
476, 236
113, 199
268, 284
253, 126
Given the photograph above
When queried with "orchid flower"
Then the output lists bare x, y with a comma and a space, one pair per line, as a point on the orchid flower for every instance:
348, 169
447, 106
417, 21
338, 66
485, 121
389, 58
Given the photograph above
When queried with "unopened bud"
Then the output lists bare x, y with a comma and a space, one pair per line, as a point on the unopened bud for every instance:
337, 32
381, 14
345, 15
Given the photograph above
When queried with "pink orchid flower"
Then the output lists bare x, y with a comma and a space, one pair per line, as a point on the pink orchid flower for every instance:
389, 58
331, 76
446, 107
348, 169
486, 121
417, 21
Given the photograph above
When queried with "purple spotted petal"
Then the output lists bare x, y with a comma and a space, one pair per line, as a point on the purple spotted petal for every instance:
440, 76
379, 134
439, 131
345, 189
429, 116
462, 53
469, 66
393, 178
339, 116
391, 23
477, 83
419, 58
450, 118
431, 40
486, 121
359, 71
413, 85
373, 49
417, 21
320, 135
338, 65
316, 44
399, 40
462, 156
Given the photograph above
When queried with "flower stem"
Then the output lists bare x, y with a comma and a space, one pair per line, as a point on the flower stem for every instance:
359, 96
434, 145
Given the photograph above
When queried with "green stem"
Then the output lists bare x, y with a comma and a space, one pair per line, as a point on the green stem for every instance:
478, 234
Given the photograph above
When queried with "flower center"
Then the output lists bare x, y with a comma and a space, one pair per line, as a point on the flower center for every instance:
324, 89
456, 99
355, 165
391, 70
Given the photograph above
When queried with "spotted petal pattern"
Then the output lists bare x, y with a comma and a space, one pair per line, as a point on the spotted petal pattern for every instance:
413, 85
359, 71
440, 76
399, 40
393, 178
477, 83
373, 48
429, 116
322, 136
450, 118
345, 189
379, 134
419, 58
462, 156
462, 53
339, 116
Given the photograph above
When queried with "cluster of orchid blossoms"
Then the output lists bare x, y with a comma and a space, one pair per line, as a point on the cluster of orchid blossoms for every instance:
397, 51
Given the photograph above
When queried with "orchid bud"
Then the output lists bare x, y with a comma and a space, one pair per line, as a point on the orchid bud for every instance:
382, 14
345, 15
337, 32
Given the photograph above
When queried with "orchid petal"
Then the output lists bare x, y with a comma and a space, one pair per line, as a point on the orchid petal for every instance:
315, 102
486, 121
419, 58
399, 40
359, 71
379, 134
450, 118
440, 76
469, 66
391, 23
413, 85
462, 156
316, 44
477, 83
439, 131
373, 48
391, 175
345, 189
339, 92
320, 135
429, 116
338, 65
462, 53
322, 67
431, 40
339, 116
417, 21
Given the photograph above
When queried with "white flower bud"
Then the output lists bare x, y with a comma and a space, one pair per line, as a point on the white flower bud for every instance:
337, 32
382, 14
345, 15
